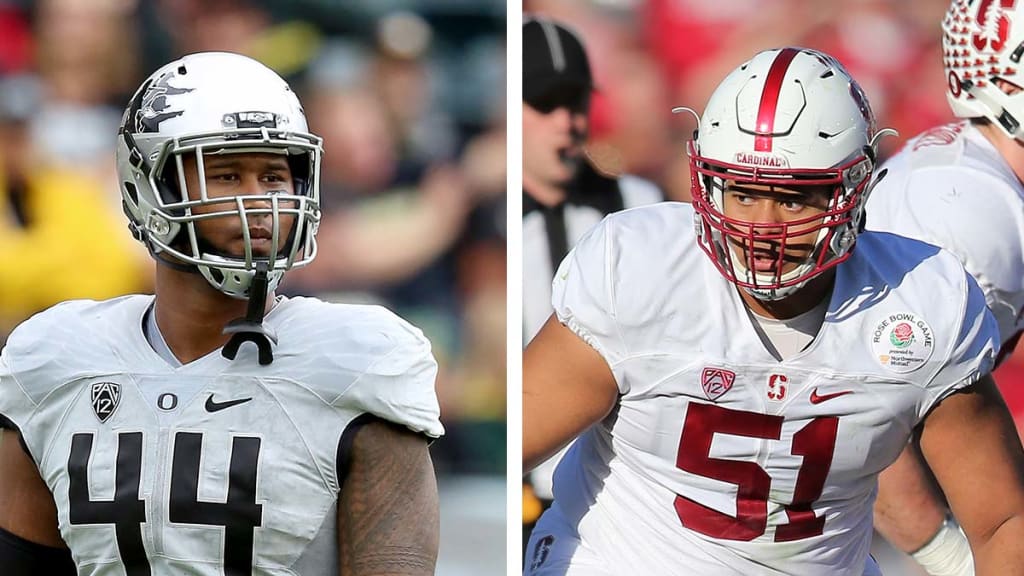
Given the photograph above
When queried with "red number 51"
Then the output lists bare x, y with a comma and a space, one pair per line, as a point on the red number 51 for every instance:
816, 442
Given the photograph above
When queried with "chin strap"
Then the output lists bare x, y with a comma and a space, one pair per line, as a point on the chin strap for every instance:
251, 328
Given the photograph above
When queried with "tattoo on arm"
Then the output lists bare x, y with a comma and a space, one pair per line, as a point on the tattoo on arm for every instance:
388, 518
27, 509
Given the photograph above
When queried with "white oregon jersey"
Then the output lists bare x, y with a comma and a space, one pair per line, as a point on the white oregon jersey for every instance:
718, 459
218, 466
950, 187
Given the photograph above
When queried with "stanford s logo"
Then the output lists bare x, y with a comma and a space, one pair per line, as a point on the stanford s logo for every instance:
777, 387
105, 398
716, 381
993, 25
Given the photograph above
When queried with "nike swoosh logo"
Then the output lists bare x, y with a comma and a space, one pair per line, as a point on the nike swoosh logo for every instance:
212, 406
816, 399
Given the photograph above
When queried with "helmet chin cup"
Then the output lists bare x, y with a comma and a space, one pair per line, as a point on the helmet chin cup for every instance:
773, 294
250, 328
235, 282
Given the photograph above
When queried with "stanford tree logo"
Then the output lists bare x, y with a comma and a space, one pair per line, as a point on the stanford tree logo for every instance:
993, 25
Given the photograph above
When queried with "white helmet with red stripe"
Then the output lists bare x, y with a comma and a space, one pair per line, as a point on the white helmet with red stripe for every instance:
788, 117
983, 41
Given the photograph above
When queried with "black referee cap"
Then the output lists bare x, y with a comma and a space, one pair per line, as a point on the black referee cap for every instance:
553, 59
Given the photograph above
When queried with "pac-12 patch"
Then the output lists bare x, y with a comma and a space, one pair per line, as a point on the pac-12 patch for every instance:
902, 342
105, 398
716, 381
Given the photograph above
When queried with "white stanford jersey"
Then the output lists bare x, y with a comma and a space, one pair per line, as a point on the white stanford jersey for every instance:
950, 187
218, 466
719, 459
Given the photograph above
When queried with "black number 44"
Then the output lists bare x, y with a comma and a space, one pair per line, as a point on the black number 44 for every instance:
127, 511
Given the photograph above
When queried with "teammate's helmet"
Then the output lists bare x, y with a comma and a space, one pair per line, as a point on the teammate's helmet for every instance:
983, 41
788, 117
216, 103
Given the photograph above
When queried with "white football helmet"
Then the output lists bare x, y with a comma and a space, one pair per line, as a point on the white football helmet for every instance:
788, 117
216, 103
982, 41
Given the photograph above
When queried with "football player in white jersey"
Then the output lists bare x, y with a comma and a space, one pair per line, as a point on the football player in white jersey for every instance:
141, 440
958, 186
738, 372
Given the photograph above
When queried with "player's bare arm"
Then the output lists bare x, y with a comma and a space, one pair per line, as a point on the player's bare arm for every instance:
567, 387
972, 446
26, 505
27, 511
388, 515
908, 511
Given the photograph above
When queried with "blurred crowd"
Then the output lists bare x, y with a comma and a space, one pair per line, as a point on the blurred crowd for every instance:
409, 97
652, 55
649, 56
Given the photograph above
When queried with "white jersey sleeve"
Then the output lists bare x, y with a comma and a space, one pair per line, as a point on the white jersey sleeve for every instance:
398, 385
583, 294
949, 187
360, 359
20, 361
972, 352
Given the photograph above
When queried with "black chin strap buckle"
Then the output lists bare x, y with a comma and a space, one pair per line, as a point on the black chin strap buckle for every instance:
251, 328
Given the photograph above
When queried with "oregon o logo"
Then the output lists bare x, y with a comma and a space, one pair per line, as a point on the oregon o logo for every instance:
167, 401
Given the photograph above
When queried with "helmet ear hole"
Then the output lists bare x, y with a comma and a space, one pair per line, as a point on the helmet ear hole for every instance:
300, 168
167, 187
130, 205
132, 192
